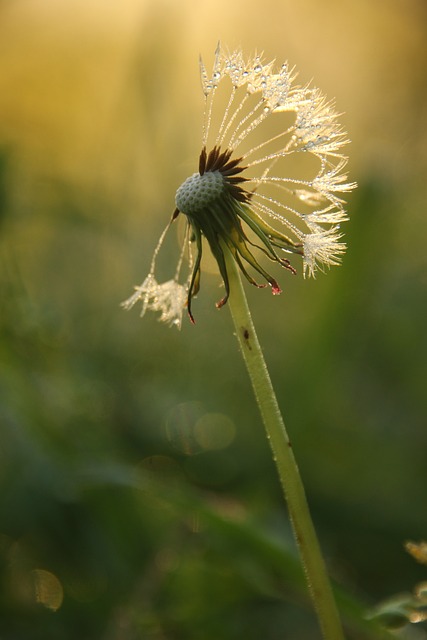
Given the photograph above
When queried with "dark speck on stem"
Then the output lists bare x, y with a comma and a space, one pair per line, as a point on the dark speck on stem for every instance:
246, 336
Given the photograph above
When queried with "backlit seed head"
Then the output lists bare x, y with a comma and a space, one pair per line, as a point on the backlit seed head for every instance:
199, 191
271, 179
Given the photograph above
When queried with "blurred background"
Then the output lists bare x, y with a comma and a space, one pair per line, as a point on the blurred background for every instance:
138, 498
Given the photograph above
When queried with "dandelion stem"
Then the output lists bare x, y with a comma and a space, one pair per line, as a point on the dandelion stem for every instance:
305, 535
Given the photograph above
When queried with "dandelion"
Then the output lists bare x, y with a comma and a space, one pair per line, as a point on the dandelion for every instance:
270, 177
270, 184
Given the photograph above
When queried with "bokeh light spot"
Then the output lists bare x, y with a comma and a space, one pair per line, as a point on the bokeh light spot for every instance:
180, 424
214, 431
48, 590
191, 430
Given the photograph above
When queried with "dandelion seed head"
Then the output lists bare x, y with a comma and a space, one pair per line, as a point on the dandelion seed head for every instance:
198, 191
253, 196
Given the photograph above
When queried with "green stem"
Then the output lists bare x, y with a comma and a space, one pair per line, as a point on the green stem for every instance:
305, 535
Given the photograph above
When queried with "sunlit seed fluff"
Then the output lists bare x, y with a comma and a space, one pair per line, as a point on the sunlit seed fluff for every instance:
270, 183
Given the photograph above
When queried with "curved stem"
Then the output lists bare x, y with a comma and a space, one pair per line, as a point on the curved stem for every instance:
305, 535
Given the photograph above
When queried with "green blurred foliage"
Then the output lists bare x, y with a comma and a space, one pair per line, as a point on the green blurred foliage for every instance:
117, 520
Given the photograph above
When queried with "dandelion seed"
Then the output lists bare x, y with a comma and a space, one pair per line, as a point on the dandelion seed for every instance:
247, 196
